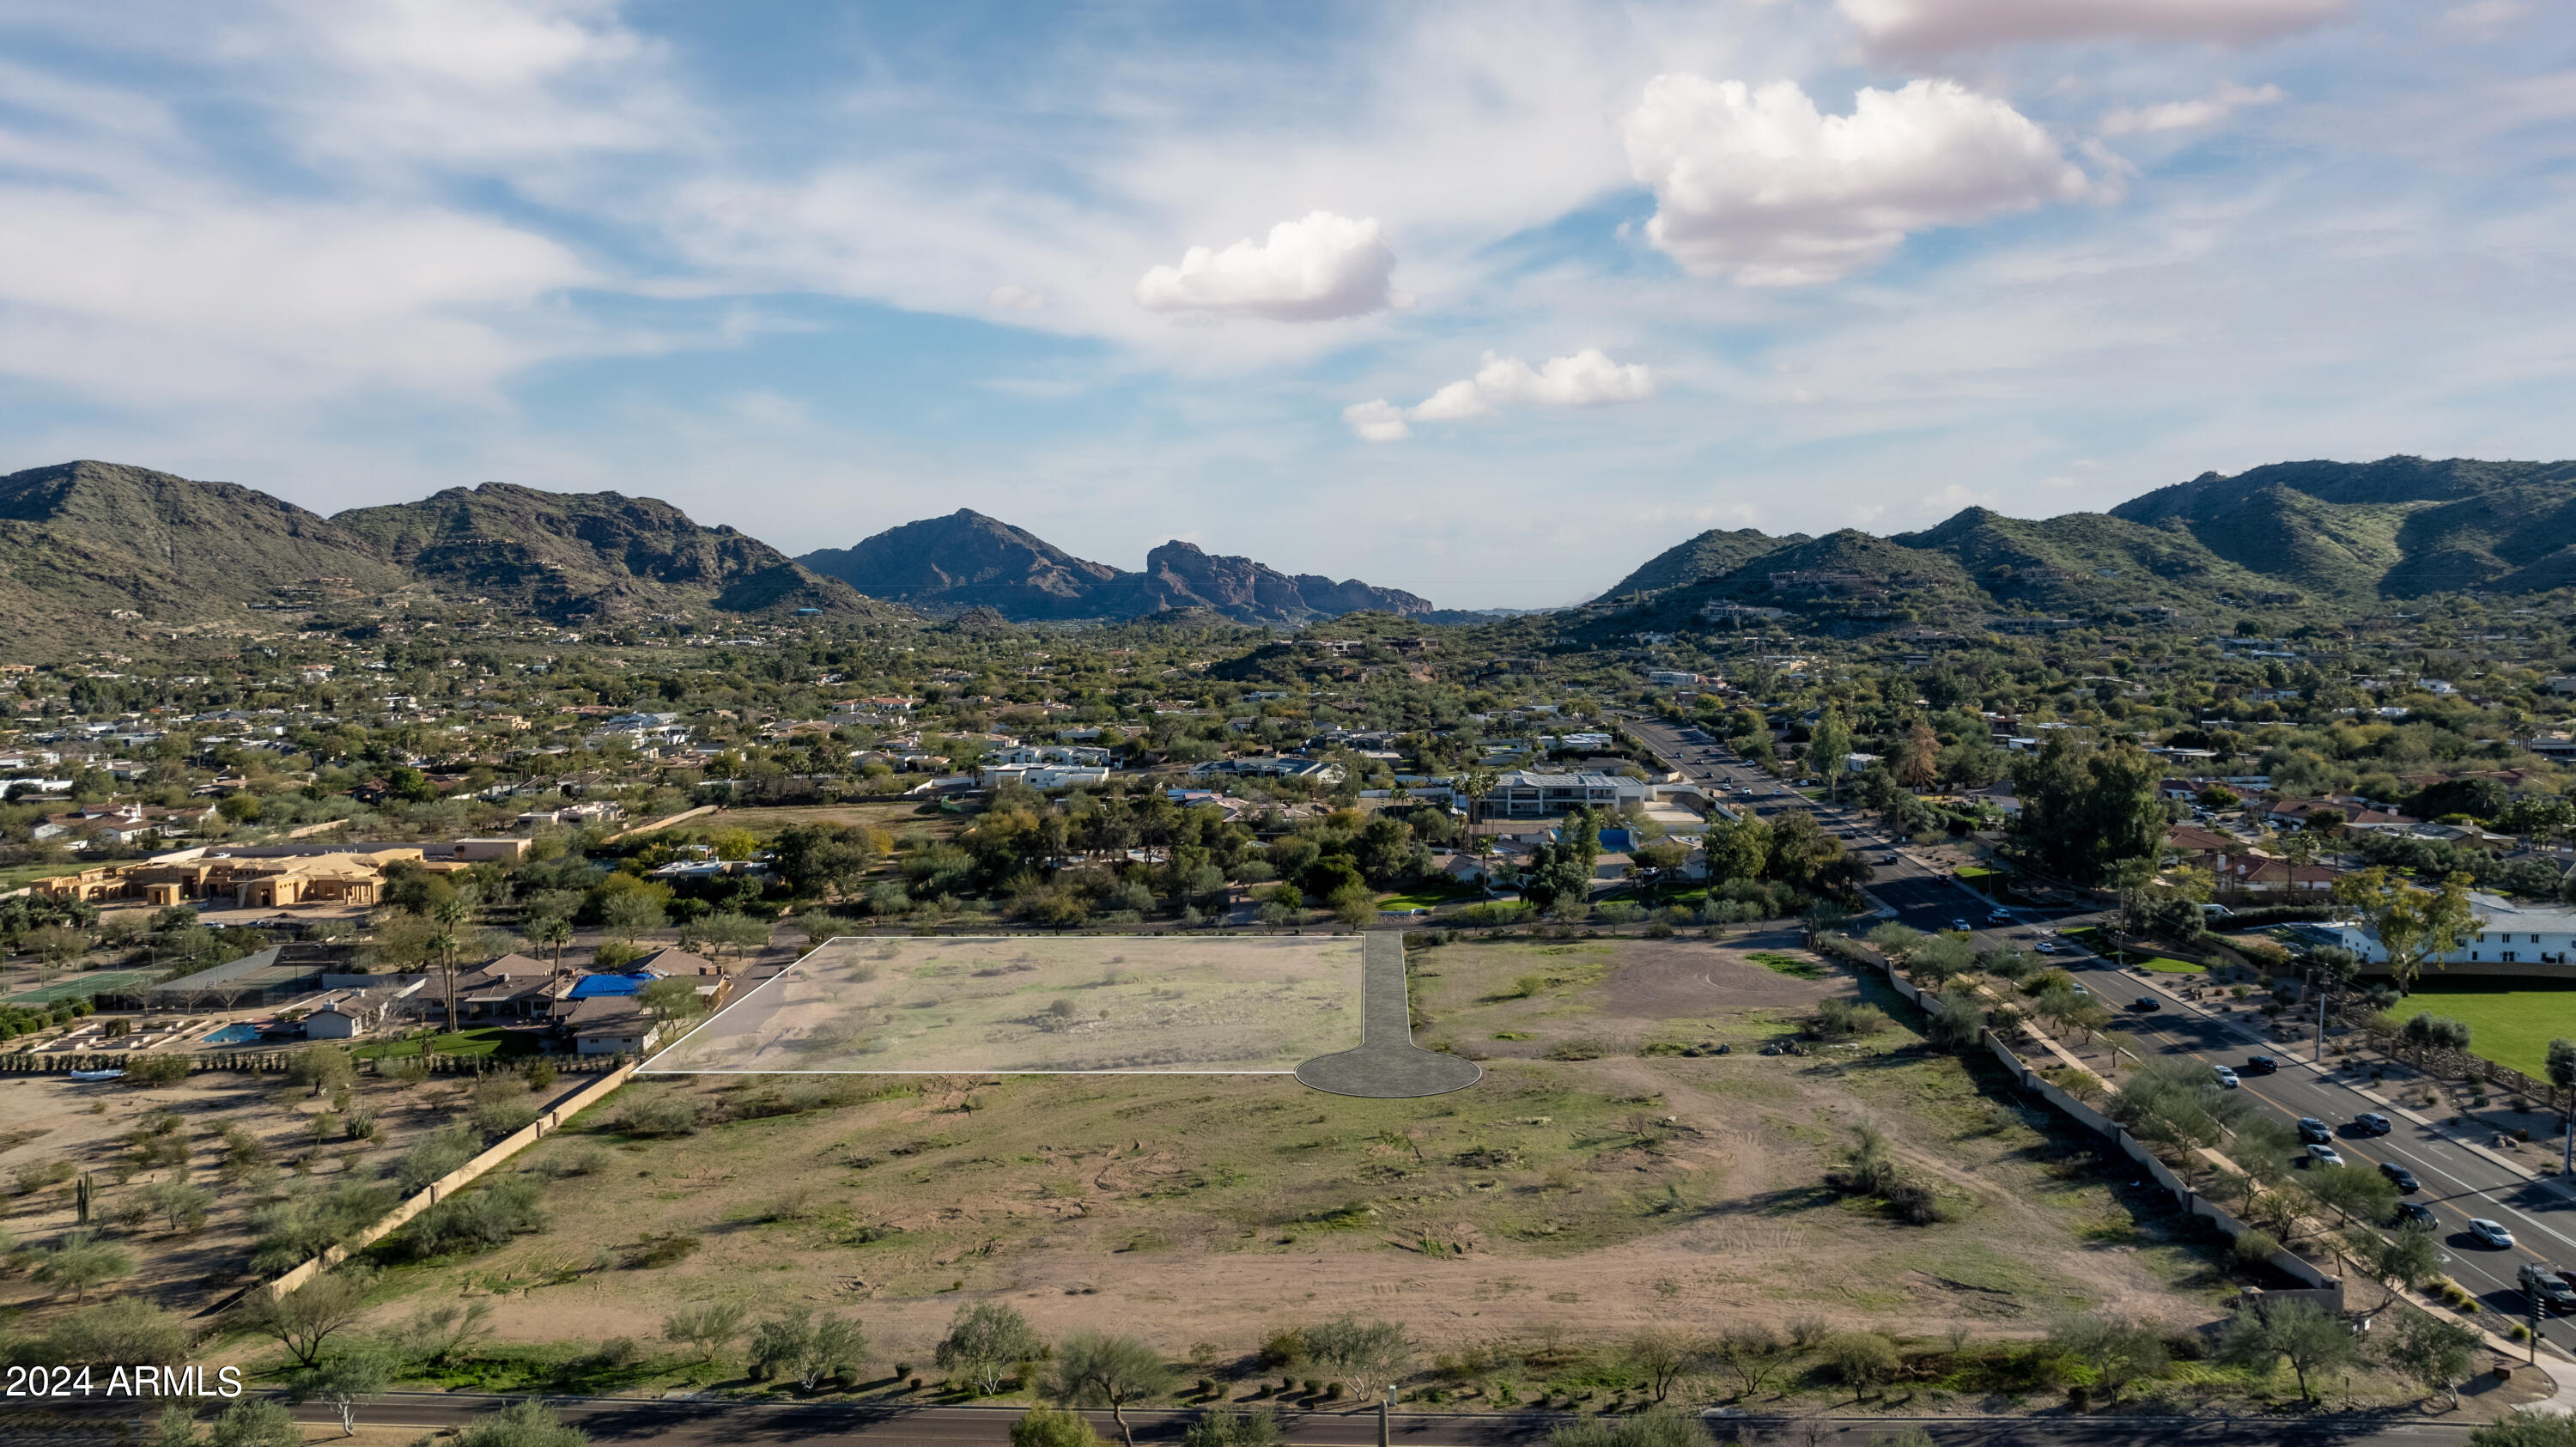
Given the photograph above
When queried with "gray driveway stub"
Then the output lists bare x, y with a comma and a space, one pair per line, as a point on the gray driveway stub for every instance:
1388, 1065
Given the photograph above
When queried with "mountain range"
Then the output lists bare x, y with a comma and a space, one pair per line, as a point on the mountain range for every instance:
967, 560
2332, 535
91, 551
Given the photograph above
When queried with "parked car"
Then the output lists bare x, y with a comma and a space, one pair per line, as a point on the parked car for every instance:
2400, 1177
2549, 1284
2259, 1065
2371, 1122
2145, 1003
2313, 1131
2324, 1155
2490, 1233
2414, 1213
2226, 1077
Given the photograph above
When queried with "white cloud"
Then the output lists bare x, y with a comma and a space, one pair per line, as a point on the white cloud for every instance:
1316, 269
1931, 27
2185, 114
196, 296
2484, 19
1755, 183
1586, 379
1377, 421
1007, 297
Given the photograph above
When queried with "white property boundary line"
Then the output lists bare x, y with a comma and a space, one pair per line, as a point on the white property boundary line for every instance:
647, 1067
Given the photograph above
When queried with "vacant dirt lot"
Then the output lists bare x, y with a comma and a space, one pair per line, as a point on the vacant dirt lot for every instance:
1042, 1003
1586, 1193
51, 1129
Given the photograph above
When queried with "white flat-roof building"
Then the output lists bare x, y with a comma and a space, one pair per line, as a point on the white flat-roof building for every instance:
2509, 934
1526, 795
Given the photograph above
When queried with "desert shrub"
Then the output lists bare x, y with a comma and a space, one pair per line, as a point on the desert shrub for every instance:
666, 1249
1841, 1019
296, 1230
436, 1155
143, 1071
658, 1114
122, 1331
479, 1220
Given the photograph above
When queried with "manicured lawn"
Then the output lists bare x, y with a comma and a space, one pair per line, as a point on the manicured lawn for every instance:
1430, 896
2512, 1027
490, 1040
2159, 964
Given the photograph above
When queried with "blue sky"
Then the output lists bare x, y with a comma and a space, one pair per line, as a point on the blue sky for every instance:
1488, 301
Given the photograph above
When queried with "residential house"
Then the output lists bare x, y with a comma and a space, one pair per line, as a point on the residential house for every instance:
2508, 934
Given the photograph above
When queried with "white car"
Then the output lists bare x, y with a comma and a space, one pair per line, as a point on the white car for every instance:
2226, 1077
2328, 1156
2046, 947
2491, 1233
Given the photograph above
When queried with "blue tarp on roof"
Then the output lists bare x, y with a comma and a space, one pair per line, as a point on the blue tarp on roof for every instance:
591, 987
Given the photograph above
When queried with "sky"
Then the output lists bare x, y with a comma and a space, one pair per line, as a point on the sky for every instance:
1491, 301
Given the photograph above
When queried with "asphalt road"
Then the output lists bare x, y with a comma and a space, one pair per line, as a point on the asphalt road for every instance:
2457, 1183
721, 1424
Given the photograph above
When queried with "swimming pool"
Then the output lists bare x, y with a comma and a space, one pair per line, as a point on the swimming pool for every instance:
240, 1034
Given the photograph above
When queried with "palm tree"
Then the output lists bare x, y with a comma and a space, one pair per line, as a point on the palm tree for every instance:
443, 946
553, 932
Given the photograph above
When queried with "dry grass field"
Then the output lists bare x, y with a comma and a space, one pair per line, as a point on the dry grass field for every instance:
1597, 1180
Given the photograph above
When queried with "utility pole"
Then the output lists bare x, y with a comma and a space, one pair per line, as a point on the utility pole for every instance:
2319, 986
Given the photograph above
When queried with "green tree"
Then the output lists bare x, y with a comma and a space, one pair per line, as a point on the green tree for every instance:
304, 1319
2437, 1354
120, 1330
1829, 748
2086, 808
2119, 1350
708, 1327
2406, 1256
629, 913
1661, 1355
1560, 870
1256, 1428
672, 999
522, 1424
344, 1380
1656, 1427
984, 1342
2353, 1193
1097, 1369
1738, 848
2411, 924
1052, 1427
1959, 1023
81, 1262
2310, 1338
1862, 1359
807, 1347
1366, 1357
255, 1422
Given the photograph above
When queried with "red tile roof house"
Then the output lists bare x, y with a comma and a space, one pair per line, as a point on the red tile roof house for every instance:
2293, 814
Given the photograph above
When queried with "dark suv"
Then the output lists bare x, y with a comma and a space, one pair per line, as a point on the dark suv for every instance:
2314, 1132
2259, 1065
